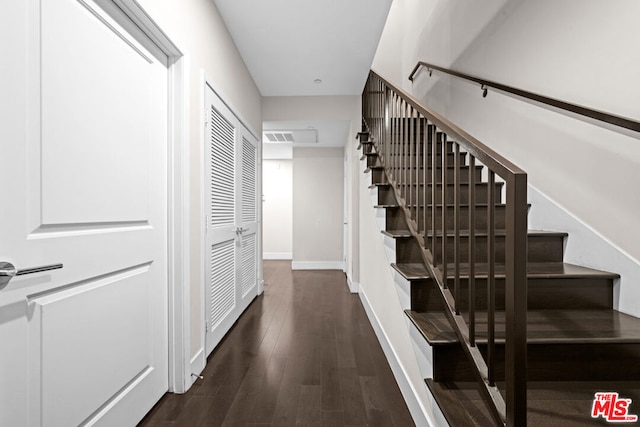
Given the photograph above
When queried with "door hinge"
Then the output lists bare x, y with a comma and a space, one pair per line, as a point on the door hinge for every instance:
206, 326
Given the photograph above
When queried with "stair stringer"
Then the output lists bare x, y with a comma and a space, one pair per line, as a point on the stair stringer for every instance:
409, 371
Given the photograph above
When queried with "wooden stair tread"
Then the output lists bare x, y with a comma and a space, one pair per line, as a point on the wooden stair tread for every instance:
549, 403
370, 168
449, 166
502, 232
412, 271
541, 270
397, 205
439, 205
380, 184
397, 234
369, 154
543, 327
535, 270
451, 184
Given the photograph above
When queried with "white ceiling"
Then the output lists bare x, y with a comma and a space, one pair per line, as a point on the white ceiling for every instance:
287, 44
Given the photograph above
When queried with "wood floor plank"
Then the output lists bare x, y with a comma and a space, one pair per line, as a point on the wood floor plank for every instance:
332, 419
286, 409
309, 406
167, 410
362, 356
265, 406
353, 401
303, 353
346, 356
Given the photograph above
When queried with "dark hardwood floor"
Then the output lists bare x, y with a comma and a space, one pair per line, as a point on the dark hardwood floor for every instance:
302, 354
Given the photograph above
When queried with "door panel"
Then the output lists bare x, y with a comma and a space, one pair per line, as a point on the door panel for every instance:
249, 267
109, 139
249, 181
86, 343
222, 168
106, 320
223, 282
249, 220
220, 270
231, 247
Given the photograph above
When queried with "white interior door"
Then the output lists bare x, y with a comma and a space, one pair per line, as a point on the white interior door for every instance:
231, 219
83, 142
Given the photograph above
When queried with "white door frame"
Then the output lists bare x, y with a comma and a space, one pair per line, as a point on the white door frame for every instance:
178, 235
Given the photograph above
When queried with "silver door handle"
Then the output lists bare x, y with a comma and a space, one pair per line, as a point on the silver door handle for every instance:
9, 270
241, 230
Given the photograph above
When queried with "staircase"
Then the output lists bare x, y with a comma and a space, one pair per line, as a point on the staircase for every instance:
452, 248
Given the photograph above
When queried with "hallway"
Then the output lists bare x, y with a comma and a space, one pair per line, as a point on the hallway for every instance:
303, 353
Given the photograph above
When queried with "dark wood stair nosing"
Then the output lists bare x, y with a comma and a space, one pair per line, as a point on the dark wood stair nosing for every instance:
552, 318
554, 270
397, 234
451, 408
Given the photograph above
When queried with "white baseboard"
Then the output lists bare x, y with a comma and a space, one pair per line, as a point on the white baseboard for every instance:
354, 287
414, 403
277, 255
317, 265
198, 363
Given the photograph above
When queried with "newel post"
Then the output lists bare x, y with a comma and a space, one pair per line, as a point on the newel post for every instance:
516, 301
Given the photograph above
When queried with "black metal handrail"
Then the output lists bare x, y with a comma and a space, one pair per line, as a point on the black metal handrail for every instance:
414, 144
602, 116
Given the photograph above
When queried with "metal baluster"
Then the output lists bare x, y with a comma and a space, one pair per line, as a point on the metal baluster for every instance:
425, 170
405, 150
456, 225
387, 114
432, 164
391, 120
419, 121
403, 144
398, 146
443, 174
394, 135
411, 160
491, 283
472, 252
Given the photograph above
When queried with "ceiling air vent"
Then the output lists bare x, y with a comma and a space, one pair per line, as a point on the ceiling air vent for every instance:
278, 136
302, 136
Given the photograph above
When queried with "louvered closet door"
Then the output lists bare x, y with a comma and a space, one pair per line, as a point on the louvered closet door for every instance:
249, 221
231, 218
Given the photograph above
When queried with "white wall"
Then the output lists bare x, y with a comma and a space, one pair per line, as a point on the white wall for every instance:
277, 220
584, 52
318, 208
196, 27
385, 311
